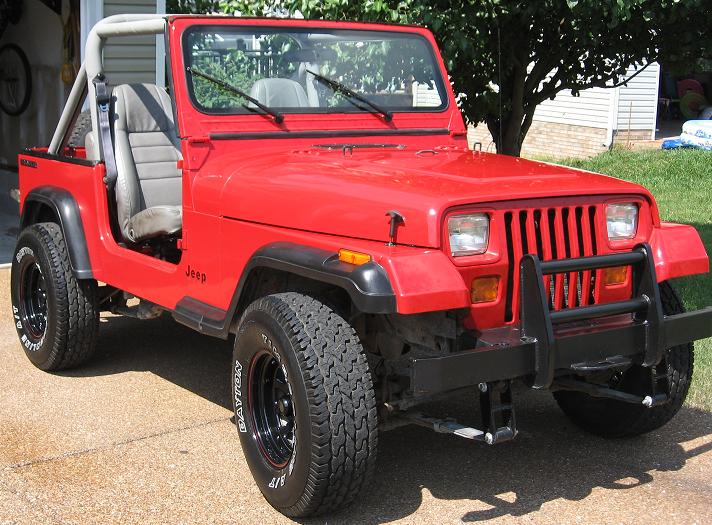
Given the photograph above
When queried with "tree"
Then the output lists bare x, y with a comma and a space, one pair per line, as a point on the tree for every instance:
508, 56
192, 6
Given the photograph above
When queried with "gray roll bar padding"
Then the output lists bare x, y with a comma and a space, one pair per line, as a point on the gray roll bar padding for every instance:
112, 26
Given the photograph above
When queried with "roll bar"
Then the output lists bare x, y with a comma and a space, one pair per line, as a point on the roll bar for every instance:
112, 26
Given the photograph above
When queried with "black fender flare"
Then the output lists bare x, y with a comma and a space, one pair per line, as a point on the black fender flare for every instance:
368, 285
70, 221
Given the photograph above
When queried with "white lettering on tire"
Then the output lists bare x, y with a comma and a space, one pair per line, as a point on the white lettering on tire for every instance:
239, 410
22, 252
32, 347
277, 482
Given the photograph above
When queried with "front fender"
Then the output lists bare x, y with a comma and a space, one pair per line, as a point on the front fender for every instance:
678, 251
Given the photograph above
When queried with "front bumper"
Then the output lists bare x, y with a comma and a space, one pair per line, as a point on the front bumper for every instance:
577, 340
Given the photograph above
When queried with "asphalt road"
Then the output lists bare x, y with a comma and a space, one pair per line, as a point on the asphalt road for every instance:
142, 434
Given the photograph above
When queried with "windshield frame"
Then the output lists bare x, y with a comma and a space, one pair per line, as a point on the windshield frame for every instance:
326, 111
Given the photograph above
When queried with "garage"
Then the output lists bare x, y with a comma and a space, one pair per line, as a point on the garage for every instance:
41, 49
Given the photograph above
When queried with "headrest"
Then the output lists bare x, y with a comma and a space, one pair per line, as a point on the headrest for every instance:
140, 108
279, 93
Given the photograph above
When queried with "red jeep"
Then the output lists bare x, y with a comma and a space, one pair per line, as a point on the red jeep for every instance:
306, 187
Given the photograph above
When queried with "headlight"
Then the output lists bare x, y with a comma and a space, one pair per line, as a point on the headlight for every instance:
469, 234
622, 220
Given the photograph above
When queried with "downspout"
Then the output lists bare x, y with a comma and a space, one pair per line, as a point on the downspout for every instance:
612, 118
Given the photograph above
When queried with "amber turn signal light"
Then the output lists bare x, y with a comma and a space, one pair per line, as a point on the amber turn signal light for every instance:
616, 275
484, 289
352, 257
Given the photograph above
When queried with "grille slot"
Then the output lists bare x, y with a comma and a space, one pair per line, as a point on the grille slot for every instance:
554, 232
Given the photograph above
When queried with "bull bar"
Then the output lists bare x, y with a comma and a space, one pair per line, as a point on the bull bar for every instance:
548, 343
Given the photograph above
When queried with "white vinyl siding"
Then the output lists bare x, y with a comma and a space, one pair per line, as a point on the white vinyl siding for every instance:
638, 100
425, 96
130, 59
591, 108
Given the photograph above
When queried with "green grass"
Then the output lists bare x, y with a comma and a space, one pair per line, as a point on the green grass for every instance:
681, 181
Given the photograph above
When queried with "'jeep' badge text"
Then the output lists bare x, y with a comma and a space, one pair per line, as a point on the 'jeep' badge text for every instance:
192, 273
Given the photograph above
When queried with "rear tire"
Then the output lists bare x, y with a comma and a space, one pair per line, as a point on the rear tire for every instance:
304, 404
56, 316
615, 419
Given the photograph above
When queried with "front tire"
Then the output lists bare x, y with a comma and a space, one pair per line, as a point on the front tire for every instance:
56, 316
615, 419
304, 404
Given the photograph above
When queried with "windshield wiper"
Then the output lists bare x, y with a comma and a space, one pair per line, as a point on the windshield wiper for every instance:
278, 117
341, 88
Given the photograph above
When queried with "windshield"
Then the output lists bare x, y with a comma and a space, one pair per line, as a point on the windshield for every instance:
247, 69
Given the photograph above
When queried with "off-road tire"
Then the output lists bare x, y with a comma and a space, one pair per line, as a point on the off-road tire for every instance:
82, 127
72, 313
615, 419
334, 409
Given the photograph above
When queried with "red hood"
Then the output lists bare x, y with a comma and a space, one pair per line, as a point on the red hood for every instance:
344, 194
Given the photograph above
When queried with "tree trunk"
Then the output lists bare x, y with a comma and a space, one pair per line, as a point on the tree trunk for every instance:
511, 139
509, 136
514, 130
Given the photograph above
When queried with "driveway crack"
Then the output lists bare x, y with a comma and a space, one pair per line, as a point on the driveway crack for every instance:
129, 441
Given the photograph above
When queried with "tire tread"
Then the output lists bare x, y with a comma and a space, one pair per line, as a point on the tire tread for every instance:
341, 398
76, 315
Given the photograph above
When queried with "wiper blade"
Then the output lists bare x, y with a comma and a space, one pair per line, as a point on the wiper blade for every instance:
341, 88
278, 117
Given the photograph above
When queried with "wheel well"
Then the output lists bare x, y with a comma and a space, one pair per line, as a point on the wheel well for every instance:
35, 212
57, 205
264, 281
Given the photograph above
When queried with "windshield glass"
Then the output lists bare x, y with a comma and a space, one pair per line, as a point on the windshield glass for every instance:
311, 71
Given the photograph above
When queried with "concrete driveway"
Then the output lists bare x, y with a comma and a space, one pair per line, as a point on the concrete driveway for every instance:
142, 434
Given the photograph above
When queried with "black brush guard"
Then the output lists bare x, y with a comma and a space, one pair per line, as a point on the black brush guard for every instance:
563, 342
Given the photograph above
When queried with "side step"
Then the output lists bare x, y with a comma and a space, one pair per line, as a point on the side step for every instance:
444, 426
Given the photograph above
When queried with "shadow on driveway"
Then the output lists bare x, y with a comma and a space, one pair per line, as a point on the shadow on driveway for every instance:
550, 459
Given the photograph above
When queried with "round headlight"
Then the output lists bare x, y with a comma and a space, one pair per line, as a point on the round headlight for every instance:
622, 220
469, 234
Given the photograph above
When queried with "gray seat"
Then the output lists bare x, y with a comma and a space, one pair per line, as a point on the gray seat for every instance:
279, 93
149, 183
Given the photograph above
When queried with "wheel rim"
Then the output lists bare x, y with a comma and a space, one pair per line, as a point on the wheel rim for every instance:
271, 408
33, 301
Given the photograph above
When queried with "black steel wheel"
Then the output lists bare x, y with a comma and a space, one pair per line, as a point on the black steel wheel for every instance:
33, 298
271, 408
304, 404
56, 315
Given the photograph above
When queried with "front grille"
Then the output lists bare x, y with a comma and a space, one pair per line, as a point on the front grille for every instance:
555, 232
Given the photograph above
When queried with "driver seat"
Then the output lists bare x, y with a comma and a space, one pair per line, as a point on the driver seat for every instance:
149, 182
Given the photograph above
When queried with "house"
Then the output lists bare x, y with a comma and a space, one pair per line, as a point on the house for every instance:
590, 123
51, 34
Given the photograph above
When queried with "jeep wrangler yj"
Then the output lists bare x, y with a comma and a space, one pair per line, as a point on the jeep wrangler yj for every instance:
306, 187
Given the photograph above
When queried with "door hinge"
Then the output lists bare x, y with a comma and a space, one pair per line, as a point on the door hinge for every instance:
182, 243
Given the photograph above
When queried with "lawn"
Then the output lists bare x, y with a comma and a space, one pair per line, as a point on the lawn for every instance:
681, 181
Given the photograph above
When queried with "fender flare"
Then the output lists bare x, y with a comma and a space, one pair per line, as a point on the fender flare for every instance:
368, 285
70, 221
